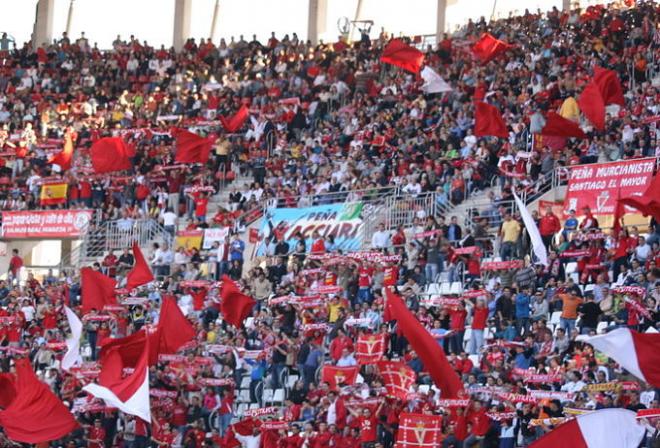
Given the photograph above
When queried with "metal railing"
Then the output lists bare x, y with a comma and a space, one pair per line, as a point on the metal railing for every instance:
116, 235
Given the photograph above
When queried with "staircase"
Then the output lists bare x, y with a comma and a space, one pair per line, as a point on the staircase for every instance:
111, 236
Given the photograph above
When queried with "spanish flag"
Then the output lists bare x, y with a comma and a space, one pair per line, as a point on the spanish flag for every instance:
53, 192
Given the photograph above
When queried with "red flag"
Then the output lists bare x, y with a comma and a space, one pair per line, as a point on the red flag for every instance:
235, 122
335, 376
174, 329
98, 290
619, 212
129, 393
558, 126
402, 55
191, 148
111, 154
649, 202
236, 306
428, 350
488, 47
489, 121
243, 427
63, 158
370, 348
419, 431
141, 273
592, 105
397, 378
34, 414
609, 85
7, 389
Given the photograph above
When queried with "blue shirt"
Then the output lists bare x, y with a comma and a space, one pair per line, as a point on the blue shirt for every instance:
522, 305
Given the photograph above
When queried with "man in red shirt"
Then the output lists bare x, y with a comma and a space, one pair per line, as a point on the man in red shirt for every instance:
201, 204
15, 265
479, 318
548, 227
96, 435
479, 423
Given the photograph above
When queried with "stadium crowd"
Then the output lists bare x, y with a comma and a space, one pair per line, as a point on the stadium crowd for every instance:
333, 119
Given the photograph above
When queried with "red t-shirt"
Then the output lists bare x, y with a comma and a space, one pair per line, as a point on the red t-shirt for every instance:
390, 277
368, 428
479, 318
200, 206
457, 320
364, 278
318, 246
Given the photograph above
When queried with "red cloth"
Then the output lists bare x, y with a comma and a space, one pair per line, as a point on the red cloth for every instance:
335, 376
63, 158
198, 299
34, 414
609, 85
234, 123
549, 225
558, 126
488, 121
592, 105
649, 202
419, 430
236, 306
397, 378
488, 47
402, 55
428, 350
115, 359
191, 148
141, 273
111, 154
173, 327
98, 290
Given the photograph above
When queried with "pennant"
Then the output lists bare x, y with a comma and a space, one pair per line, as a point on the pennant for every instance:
433, 83
191, 148
402, 55
235, 122
532, 229
72, 356
174, 330
558, 126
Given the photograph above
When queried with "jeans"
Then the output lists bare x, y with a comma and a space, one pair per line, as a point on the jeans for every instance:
224, 420
275, 376
476, 342
456, 342
91, 338
431, 272
522, 323
507, 251
567, 324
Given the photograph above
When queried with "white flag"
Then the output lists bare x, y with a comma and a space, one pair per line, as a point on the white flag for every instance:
72, 356
433, 83
533, 230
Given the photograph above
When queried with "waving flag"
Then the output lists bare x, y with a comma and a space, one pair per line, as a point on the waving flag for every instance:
558, 126
419, 431
428, 350
433, 83
141, 273
111, 154
174, 329
402, 55
488, 47
370, 348
604, 428
638, 353
397, 378
234, 123
335, 376
236, 306
532, 229
592, 105
130, 393
191, 148
489, 121
53, 192
72, 356
649, 202
98, 290
63, 158
31, 412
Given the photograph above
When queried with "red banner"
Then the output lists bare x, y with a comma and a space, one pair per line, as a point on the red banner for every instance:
335, 376
598, 185
370, 348
501, 265
419, 431
45, 223
397, 378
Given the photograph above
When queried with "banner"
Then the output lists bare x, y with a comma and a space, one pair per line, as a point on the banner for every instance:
54, 192
501, 265
335, 376
398, 378
598, 185
189, 239
370, 348
45, 223
343, 221
419, 431
212, 235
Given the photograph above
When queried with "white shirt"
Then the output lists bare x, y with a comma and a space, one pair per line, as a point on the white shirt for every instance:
28, 311
249, 441
169, 219
380, 239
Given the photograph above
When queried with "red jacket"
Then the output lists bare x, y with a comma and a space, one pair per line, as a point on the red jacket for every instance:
549, 225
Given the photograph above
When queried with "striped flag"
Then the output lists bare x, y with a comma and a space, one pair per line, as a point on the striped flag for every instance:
53, 192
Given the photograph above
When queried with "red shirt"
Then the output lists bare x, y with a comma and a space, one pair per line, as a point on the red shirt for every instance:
479, 421
549, 225
457, 320
200, 206
318, 246
479, 318
15, 264
96, 434
364, 278
391, 274
368, 428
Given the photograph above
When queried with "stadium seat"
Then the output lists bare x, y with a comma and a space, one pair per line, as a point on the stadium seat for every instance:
278, 396
554, 318
245, 382
244, 396
445, 289
456, 288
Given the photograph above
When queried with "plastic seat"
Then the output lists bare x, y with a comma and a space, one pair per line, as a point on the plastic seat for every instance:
554, 318
456, 288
